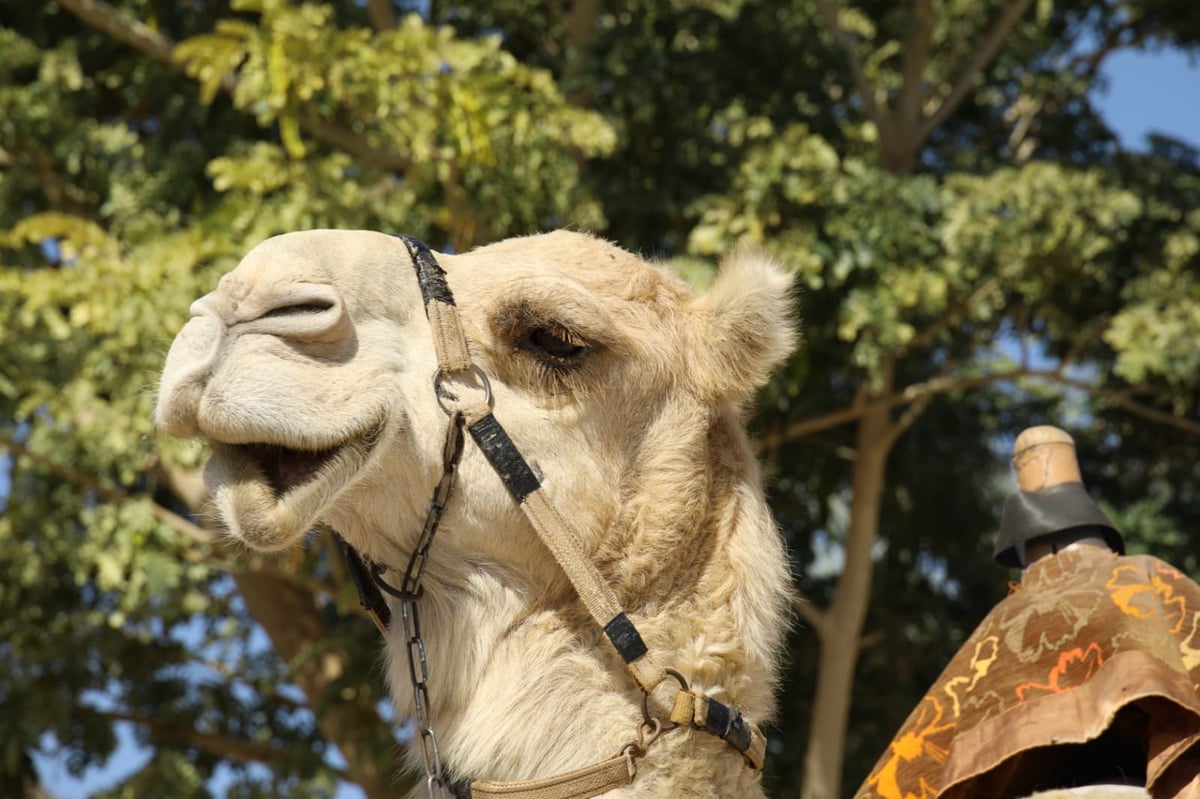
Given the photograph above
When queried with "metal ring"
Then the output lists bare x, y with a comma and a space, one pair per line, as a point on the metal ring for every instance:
646, 717
683, 683
442, 374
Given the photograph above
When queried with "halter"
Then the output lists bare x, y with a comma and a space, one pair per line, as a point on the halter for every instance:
692, 709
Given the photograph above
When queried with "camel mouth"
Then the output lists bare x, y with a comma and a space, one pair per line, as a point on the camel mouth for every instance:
286, 468
269, 494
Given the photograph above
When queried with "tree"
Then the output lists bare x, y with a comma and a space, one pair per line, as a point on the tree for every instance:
975, 253
137, 169
932, 274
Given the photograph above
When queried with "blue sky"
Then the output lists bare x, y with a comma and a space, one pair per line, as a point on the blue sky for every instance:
1147, 92
1152, 92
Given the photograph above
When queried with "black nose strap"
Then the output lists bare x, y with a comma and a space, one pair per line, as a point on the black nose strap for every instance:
430, 275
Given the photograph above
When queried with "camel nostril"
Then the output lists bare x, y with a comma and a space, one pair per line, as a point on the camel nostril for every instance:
300, 309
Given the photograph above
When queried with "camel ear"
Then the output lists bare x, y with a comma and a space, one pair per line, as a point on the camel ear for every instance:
749, 323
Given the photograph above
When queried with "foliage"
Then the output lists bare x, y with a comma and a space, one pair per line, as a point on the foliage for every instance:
975, 253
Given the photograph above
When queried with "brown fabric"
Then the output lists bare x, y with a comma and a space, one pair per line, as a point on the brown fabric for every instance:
1089, 672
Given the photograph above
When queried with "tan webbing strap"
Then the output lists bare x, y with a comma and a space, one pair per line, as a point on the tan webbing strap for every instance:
564, 542
568, 549
448, 340
700, 712
581, 783
683, 712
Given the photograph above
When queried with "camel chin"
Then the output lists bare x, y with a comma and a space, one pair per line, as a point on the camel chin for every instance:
269, 495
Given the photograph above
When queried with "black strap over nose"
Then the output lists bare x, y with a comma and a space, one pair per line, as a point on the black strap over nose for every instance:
430, 275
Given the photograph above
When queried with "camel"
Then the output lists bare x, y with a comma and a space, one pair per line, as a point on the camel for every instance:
317, 372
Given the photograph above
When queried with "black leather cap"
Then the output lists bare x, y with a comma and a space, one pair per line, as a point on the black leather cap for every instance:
1033, 514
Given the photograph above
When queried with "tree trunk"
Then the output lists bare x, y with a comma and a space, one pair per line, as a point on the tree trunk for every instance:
842, 623
291, 619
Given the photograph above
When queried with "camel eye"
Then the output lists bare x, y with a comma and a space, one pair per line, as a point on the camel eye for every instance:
556, 345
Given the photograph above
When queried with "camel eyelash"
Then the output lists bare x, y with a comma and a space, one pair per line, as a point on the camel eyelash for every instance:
551, 342
555, 345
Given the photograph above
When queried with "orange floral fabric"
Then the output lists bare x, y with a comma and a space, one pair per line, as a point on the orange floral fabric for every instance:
1091, 640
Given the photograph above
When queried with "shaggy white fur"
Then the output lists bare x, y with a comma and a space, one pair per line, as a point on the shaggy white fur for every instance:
309, 369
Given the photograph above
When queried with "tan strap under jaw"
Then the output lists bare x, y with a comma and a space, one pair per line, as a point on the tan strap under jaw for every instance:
582, 783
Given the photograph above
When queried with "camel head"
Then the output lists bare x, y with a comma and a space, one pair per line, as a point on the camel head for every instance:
310, 371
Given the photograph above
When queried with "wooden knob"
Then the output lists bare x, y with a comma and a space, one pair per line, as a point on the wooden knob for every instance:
1043, 457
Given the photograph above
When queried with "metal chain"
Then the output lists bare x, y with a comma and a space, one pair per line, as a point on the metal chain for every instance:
408, 594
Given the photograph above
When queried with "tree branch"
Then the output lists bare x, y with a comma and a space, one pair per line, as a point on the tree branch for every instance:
1091, 334
829, 10
61, 194
187, 484
984, 53
293, 621
913, 411
233, 675
812, 615
106, 492
184, 527
232, 749
1126, 403
382, 14
916, 58
109, 20
81, 479
951, 317
348, 141
580, 23
942, 385
128, 31
807, 427
1022, 114
1087, 64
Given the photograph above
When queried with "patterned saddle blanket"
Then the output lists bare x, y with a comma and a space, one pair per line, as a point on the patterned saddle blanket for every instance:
1087, 673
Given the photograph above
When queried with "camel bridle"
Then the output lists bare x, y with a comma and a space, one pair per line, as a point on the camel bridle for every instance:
691, 709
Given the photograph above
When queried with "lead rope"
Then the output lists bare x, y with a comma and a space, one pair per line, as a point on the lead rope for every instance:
691, 708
